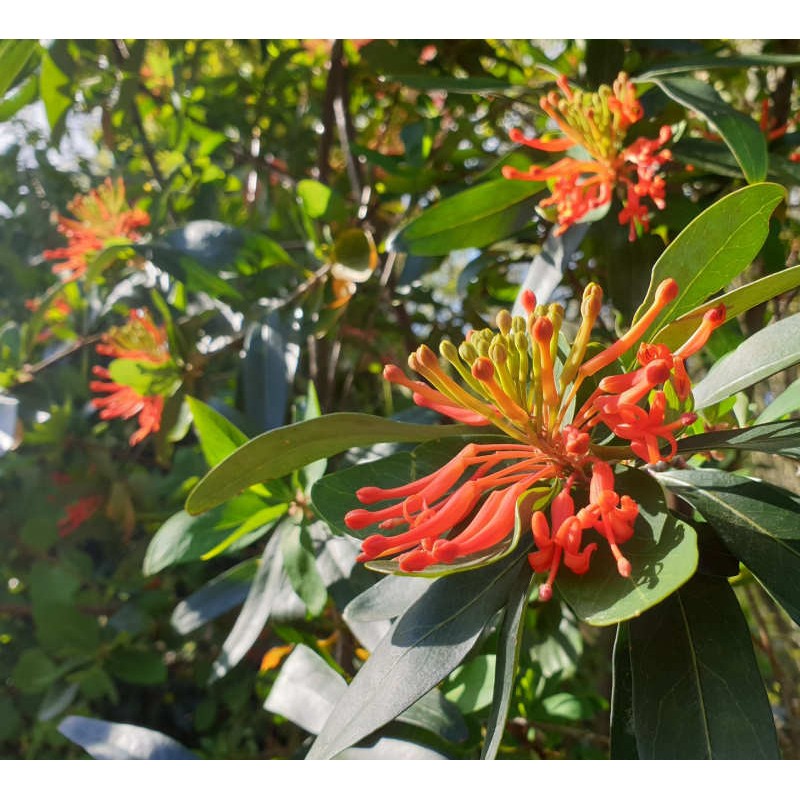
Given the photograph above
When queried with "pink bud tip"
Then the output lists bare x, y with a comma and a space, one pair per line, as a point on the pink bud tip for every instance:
545, 592
358, 518
715, 316
483, 369
667, 291
624, 567
393, 373
543, 330
369, 494
528, 301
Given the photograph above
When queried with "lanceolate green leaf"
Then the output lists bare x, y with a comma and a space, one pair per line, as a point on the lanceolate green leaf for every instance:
14, 54
785, 403
623, 739
281, 451
736, 302
713, 249
218, 436
425, 644
763, 354
781, 438
697, 691
741, 133
717, 62
509, 642
662, 552
473, 218
755, 520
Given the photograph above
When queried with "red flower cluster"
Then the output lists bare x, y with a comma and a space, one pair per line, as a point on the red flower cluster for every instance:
141, 341
100, 216
598, 122
75, 514
511, 379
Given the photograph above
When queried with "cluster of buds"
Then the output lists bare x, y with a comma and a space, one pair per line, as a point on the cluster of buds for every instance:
139, 340
100, 217
516, 380
598, 122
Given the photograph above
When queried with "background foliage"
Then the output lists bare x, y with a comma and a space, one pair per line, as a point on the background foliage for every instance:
317, 209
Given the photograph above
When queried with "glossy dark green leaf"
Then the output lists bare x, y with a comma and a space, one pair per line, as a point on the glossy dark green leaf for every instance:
697, 691
763, 354
218, 436
257, 607
425, 644
712, 157
222, 593
781, 438
271, 355
741, 133
473, 218
508, 647
14, 55
717, 62
736, 302
662, 552
386, 599
787, 402
299, 561
118, 741
713, 249
623, 737
755, 520
279, 452
308, 688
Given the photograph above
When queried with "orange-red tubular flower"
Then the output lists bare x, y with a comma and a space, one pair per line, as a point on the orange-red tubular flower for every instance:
510, 378
98, 217
598, 122
142, 341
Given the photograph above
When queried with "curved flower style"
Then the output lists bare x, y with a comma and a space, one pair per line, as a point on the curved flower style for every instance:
514, 379
100, 216
139, 341
598, 122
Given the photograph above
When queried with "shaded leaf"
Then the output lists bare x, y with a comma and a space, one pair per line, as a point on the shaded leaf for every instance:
756, 521
786, 402
14, 55
115, 740
299, 561
257, 607
386, 599
473, 218
271, 355
763, 354
425, 644
509, 641
712, 250
662, 553
279, 452
717, 62
741, 133
697, 691
623, 736
782, 438
219, 595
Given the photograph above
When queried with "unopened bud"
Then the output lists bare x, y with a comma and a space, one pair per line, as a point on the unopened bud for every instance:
504, 321
483, 369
